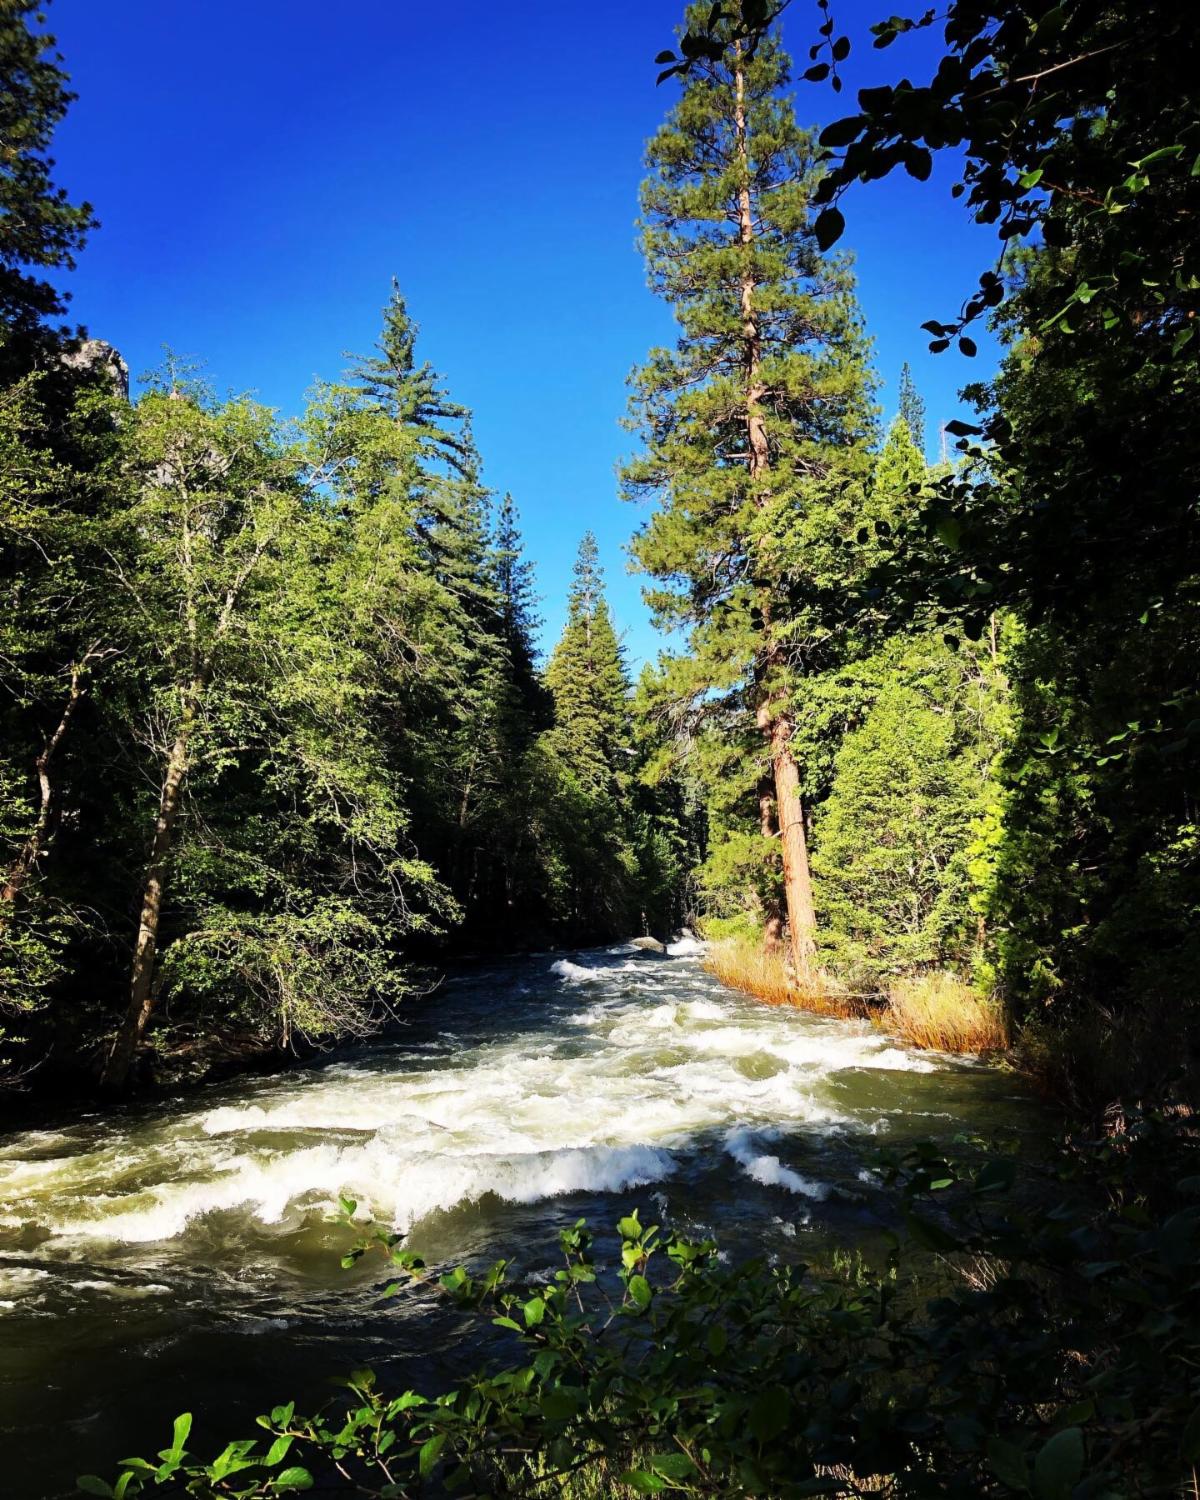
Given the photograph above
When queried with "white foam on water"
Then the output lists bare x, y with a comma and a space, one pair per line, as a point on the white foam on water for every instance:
575, 973
686, 946
769, 1170
630, 1081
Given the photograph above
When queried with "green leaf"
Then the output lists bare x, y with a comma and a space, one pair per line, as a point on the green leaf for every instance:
183, 1426
949, 531
639, 1479
429, 1454
1059, 1464
640, 1290
717, 1340
293, 1479
1008, 1464
842, 132
535, 1311
560, 1403
277, 1452
92, 1484
673, 1465
828, 227
629, 1228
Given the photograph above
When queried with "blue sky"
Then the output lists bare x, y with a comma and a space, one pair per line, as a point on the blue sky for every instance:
262, 170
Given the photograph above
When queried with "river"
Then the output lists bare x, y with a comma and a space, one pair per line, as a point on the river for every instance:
179, 1256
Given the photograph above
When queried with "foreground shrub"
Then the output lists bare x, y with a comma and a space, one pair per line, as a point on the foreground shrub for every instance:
1067, 1368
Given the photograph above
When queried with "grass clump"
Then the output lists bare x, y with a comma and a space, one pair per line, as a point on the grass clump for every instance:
944, 1013
746, 965
936, 1011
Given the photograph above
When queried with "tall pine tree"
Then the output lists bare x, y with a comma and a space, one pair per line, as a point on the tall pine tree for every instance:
912, 407
756, 428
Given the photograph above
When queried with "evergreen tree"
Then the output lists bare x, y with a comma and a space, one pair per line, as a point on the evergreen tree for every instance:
39, 228
913, 786
587, 676
756, 428
412, 394
912, 407
586, 763
513, 582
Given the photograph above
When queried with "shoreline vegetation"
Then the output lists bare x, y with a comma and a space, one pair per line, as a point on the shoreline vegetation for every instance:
938, 1011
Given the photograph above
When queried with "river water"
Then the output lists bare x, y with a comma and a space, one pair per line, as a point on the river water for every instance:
179, 1257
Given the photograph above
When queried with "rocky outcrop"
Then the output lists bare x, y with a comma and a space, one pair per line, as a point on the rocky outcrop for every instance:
94, 355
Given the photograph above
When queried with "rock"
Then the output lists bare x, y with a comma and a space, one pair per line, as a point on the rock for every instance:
95, 354
649, 945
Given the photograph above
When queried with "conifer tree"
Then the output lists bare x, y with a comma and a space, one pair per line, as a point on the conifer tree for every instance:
412, 394
587, 676
584, 765
755, 428
517, 604
912, 407
39, 228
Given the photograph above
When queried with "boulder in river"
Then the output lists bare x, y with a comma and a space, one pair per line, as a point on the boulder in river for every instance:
649, 945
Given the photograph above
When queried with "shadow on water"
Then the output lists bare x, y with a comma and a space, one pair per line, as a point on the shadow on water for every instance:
180, 1257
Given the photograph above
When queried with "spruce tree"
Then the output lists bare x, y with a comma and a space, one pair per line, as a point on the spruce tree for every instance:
587, 676
583, 766
756, 428
513, 583
412, 394
912, 407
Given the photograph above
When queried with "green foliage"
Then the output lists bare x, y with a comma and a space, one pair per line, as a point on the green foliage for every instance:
1055, 1357
614, 842
39, 228
755, 428
912, 408
911, 786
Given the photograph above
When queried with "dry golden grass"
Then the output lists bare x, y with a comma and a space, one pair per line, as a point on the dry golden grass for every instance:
747, 966
936, 1011
943, 1012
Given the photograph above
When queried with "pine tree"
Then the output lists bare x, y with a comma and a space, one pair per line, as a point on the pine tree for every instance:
756, 426
39, 228
912, 407
583, 766
517, 604
587, 676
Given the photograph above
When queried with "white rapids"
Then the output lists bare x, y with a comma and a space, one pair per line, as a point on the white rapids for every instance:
647, 1064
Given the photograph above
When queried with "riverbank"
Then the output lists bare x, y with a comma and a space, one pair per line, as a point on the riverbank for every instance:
935, 1012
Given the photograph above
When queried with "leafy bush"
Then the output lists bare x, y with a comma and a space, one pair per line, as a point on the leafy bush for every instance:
1060, 1358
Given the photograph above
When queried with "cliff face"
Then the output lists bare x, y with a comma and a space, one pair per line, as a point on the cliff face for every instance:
95, 355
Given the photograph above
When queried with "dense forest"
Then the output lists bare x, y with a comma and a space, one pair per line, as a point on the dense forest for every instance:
274, 725
277, 742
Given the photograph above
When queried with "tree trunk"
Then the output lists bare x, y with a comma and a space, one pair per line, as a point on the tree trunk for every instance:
797, 877
789, 808
141, 981
772, 910
23, 865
